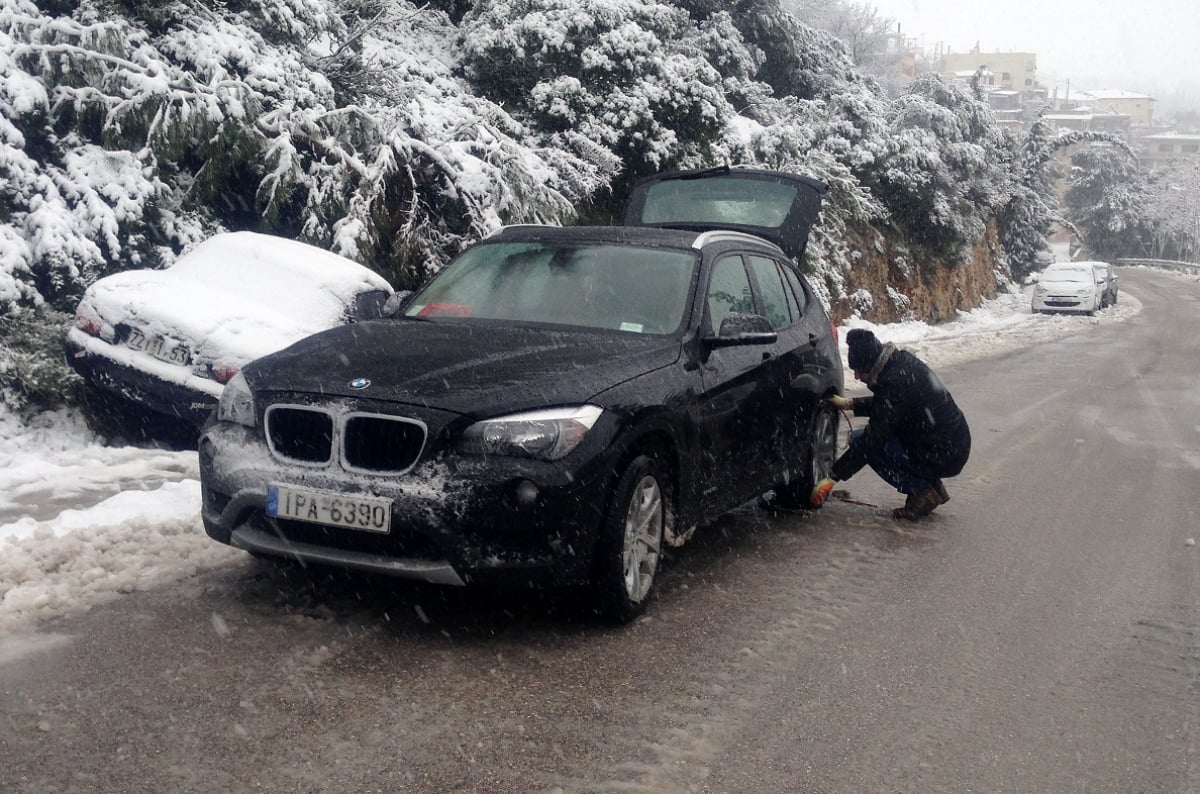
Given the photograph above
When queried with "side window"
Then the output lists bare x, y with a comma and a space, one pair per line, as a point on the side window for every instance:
793, 280
728, 290
774, 293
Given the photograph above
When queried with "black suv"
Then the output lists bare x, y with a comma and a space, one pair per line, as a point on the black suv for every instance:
553, 406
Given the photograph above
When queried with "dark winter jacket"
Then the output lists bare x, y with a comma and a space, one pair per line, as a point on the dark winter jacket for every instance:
910, 403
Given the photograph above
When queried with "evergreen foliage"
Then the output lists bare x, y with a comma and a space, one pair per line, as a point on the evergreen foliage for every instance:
949, 169
1025, 221
33, 374
396, 133
126, 139
1107, 198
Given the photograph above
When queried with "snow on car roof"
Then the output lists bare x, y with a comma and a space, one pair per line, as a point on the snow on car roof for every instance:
238, 295
261, 257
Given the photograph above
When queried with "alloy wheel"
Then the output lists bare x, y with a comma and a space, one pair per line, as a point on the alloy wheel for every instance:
824, 445
643, 538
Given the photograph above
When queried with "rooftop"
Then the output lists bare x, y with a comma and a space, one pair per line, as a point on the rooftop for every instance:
1108, 93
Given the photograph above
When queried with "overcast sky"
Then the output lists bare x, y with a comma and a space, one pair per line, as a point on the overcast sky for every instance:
1151, 46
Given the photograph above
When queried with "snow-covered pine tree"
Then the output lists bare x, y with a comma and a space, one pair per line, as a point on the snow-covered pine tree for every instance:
125, 139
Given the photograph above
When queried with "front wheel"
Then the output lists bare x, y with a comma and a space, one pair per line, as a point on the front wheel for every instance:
630, 545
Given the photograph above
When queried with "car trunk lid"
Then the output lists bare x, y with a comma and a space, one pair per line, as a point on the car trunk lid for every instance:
774, 205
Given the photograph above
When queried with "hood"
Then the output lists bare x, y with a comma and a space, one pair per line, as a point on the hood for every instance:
472, 368
1053, 283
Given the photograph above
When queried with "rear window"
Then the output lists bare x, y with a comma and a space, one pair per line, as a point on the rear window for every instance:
719, 202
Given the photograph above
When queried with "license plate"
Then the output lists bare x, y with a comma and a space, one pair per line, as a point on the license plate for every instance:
160, 347
366, 513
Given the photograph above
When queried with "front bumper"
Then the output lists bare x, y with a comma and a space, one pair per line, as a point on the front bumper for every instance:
453, 521
1064, 303
164, 388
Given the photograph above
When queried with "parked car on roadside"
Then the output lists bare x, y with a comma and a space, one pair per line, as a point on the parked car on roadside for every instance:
1068, 287
165, 342
1106, 278
553, 408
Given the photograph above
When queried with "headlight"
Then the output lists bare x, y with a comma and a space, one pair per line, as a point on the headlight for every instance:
547, 435
237, 402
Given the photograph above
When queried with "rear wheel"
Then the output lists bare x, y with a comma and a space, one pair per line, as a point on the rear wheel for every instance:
822, 452
630, 546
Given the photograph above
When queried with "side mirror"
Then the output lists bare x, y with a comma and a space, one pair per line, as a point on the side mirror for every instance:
740, 328
396, 303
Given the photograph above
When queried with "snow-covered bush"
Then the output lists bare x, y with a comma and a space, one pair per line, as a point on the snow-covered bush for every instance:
1171, 213
949, 170
630, 75
124, 140
33, 372
1108, 200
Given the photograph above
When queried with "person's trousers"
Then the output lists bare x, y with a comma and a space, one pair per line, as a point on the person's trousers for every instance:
893, 466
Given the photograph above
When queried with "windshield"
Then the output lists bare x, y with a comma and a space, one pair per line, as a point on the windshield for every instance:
591, 285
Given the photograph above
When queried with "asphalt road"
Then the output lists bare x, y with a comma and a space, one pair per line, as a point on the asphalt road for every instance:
1039, 633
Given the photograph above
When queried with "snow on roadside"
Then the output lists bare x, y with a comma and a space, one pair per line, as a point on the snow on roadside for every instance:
81, 522
132, 541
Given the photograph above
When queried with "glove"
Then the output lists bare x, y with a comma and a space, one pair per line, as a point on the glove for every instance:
839, 402
820, 492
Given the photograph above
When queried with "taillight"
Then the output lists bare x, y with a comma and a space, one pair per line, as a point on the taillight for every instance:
87, 320
836, 339
223, 374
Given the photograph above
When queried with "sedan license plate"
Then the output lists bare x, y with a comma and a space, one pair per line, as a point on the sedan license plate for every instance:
160, 347
366, 513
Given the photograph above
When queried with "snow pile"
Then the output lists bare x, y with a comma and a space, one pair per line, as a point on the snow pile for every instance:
132, 541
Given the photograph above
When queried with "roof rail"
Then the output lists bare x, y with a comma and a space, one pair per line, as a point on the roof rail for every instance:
716, 235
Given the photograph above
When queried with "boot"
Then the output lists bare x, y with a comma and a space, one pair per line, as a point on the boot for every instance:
918, 505
943, 497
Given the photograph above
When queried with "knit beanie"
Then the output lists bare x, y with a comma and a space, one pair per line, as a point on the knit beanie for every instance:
863, 349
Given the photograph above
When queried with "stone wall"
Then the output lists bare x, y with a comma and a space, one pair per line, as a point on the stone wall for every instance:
905, 285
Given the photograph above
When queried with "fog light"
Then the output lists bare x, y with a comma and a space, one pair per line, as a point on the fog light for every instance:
525, 493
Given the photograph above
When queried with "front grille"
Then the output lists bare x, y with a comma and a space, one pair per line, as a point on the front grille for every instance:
363, 442
300, 433
381, 443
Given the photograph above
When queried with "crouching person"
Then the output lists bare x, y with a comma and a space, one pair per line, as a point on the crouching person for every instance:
915, 435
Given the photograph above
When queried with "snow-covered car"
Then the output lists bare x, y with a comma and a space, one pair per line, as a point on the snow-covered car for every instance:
168, 340
553, 407
1106, 278
1068, 287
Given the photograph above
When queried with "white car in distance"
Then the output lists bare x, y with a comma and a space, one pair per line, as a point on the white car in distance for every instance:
1068, 287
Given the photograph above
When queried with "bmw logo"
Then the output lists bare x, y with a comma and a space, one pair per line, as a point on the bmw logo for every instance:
360, 383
